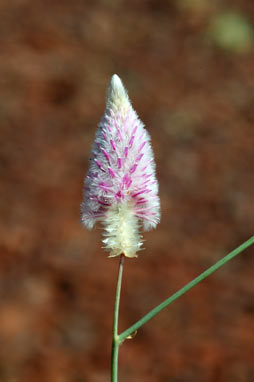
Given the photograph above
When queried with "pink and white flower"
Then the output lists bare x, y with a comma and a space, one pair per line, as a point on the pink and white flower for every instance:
121, 189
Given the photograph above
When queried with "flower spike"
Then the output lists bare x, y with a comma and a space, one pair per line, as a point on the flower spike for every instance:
121, 189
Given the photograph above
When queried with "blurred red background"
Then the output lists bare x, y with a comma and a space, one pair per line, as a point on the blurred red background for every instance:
188, 68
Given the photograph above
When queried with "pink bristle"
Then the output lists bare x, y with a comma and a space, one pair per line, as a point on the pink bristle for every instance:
113, 145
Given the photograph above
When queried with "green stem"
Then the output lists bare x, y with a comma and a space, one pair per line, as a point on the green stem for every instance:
185, 289
115, 339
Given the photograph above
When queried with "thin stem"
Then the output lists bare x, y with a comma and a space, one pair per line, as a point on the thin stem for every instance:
185, 289
115, 339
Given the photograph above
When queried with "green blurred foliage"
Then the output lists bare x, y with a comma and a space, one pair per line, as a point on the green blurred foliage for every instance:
231, 31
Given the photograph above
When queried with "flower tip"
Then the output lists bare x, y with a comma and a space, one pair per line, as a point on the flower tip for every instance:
116, 92
116, 82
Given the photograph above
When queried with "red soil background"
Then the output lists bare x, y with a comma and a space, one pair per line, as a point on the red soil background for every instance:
193, 91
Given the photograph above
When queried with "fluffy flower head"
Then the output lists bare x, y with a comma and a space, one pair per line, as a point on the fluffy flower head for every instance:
121, 189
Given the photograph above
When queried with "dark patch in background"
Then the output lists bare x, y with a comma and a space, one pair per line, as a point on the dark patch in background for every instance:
188, 68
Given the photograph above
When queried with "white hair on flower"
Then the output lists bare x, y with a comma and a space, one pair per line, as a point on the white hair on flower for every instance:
121, 189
